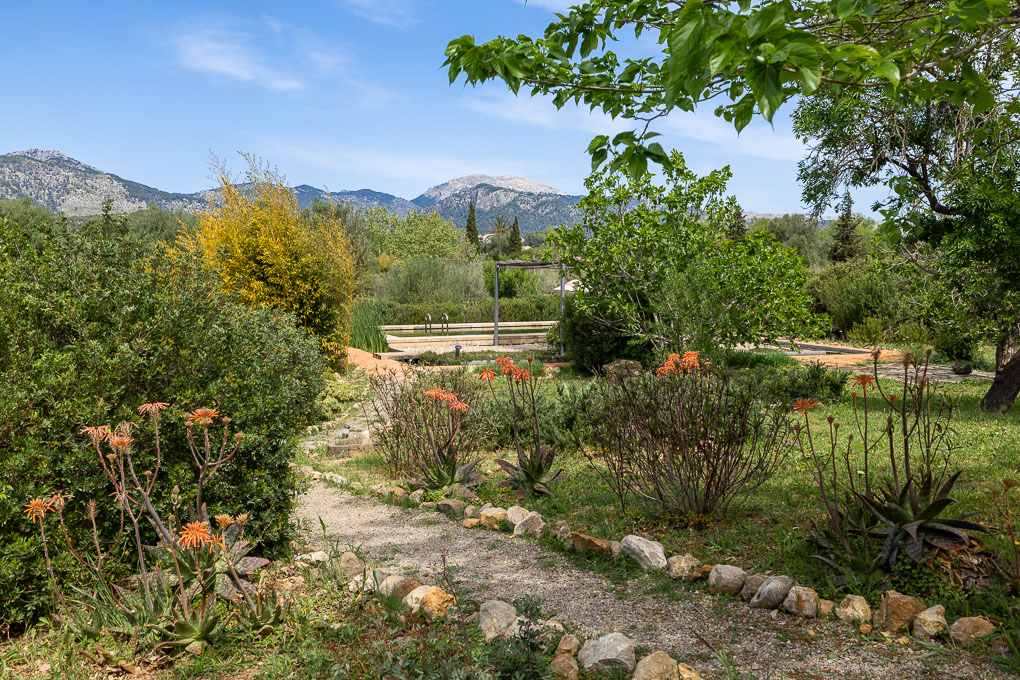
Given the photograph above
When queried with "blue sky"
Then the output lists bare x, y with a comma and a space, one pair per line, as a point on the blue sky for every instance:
342, 94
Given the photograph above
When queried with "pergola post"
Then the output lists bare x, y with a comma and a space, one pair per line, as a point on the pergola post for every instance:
495, 309
563, 287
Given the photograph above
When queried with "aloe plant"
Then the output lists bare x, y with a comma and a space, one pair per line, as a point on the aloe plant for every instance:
532, 474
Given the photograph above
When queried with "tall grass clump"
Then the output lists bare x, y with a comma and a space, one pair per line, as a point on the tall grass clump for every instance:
366, 331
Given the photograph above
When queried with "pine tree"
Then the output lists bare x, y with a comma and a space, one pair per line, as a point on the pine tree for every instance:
738, 226
471, 231
846, 242
516, 245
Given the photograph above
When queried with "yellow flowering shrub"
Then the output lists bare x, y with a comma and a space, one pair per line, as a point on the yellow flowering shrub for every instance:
273, 254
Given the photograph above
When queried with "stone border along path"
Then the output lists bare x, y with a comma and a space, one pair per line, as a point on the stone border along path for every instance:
495, 565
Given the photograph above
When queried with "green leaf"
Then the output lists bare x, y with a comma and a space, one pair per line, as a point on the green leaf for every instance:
764, 82
765, 20
889, 70
982, 100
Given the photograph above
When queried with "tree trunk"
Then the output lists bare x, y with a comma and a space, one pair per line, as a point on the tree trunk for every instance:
1005, 387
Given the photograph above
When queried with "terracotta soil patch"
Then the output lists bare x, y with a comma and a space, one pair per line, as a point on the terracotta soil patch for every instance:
373, 366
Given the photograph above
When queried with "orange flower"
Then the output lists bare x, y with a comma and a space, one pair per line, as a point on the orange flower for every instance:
194, 535
216, 542
202, 416
97, 434
458, 406
435, 393
152, 409
504, 361
509, 369
864, 381
802, 406
224, 520
522, 376
892, 399
488, 374
36, 509
120, 441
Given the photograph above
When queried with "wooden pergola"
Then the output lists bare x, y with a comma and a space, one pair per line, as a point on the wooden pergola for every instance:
525, 264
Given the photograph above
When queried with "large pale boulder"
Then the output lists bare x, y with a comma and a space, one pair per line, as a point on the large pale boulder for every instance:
397, 587
366, 582
350, 565
497, 619
656, 666
825, 608
751, 585
569, 644
564, 667
725, 578
514, 514
969, 628
612, 652
649, 554
682, 566
897, 611
854, 609
451, 507
802, 601
492, 518
530, 525
930, 622
772, 592
317, 557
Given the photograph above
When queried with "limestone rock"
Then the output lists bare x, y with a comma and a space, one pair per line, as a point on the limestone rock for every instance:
682, 566
726, 579
394, 492
649, 554
558, 530
451, 507
930, 622
969, 628
334, 478
687, 673
366, 582
772, 592
470, 522
612, 652
514, 514
431, 600
416, 496
471, 511
564, 667
897, 611
428, 505
656, 666
497, 619
569, 644
492, 518
389, 584
397, 587
414, 598
614, 548
802, 601
317, 557
825, 608
585, 543
854, 609
350, 565
530, 525
751, 585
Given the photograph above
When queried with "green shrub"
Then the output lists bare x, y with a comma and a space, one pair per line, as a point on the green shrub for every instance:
426, 280
854, 290
592, 344
92, 325
868, 332
530, 308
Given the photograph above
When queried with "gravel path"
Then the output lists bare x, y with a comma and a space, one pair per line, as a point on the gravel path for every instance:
494, 565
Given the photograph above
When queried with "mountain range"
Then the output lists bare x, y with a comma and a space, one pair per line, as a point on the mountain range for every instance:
52, 179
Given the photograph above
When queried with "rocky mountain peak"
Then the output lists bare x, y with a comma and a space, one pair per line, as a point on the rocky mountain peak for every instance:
447, 189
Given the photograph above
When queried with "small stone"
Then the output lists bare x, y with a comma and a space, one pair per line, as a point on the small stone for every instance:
772, 592
612, 652
492, 518
656, 666
687, 673
335, 479
394, 492
514, 514
389, 584
414, 598
350, 565
564, 667
854, 609
897, 611
451, 507
930, 622
416, 496
682, 566
585, 543
431, 600
366, 582
701, 573
751, 585
471, 511
866, 628
309, 472
428, 505
497, 619
614, 548
530, 525
725, 578
569, 644
470, 523
903, 640
397, 587
969, 628
802, 601
558, 530
317, 557
649, 554
825, 608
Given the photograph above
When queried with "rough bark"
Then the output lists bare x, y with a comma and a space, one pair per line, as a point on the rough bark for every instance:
1006, 385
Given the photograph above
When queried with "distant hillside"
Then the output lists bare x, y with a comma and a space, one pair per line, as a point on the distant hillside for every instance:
63, 184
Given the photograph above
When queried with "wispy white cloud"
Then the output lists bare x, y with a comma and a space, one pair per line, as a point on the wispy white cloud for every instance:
555, 5
758, 140
231, 55
396, 13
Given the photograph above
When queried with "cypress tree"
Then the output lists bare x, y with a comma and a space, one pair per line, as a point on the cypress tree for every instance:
738, 227
846, 243
516, 245
471, 231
